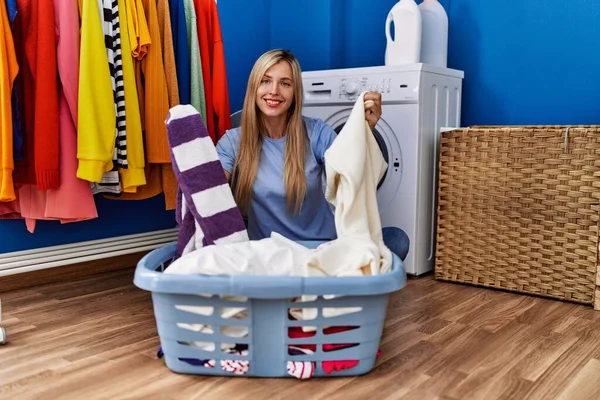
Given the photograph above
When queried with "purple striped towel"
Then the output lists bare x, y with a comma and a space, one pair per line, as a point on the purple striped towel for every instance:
206, 210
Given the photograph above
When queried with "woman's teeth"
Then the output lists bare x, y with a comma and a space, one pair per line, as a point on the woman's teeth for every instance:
273, 103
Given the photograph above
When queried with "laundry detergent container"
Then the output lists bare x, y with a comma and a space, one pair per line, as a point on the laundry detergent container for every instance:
272, 334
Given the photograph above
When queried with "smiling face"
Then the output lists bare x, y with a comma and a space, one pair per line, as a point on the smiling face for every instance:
275, 93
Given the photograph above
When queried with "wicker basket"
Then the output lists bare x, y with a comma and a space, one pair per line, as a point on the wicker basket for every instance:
518, 210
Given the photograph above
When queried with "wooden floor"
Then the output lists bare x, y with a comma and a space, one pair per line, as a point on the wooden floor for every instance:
96, 339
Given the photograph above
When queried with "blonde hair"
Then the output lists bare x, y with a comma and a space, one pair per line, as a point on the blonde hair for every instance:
252, 128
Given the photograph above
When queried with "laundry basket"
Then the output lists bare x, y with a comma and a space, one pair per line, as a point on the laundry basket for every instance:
268, 300
518, 210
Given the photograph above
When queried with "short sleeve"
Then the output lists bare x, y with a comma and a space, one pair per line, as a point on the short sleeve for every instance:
226, 149
322, 136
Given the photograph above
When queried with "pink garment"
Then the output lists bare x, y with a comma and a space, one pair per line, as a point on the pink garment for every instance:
73, 200
66, 15
10, 209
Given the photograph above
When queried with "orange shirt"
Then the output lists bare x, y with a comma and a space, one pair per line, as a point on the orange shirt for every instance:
166, 37
10, 68
156, 101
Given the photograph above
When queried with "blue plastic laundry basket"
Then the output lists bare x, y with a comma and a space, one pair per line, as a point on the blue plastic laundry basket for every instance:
269, 299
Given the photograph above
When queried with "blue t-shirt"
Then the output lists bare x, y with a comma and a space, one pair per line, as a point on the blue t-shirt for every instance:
268, 211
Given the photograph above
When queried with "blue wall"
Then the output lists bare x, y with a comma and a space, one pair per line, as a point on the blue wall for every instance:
525, 62
115, 218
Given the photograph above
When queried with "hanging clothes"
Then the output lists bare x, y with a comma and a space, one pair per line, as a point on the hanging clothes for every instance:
198, 99
166, 39
36, 36
109, 16
165, 30
134, 176
139, 34
140, 40
213, 68
182, 55
154, 98
72, 201
114, 22
170, 185
11, 10
96, 135
60, 71
10, 69
16, 119
97, 118
10, 210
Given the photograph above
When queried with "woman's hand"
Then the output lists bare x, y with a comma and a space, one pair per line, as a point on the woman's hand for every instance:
372, 108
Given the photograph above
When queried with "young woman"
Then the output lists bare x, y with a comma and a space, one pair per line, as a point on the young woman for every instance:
275, 159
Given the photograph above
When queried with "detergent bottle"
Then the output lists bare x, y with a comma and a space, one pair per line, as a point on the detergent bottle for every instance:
434, 40
405, 46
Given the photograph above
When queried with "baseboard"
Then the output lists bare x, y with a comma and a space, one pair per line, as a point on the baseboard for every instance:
69, 272
75, 253
58, 263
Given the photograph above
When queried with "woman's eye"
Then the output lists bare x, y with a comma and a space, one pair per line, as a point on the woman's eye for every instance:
264, 81
286, 84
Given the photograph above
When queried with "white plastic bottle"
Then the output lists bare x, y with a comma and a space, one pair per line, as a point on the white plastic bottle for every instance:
434, 40
405, 46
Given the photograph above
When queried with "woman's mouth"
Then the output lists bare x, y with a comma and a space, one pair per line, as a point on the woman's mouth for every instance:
273, 103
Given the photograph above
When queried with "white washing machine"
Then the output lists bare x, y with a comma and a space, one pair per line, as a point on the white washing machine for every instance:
417, 101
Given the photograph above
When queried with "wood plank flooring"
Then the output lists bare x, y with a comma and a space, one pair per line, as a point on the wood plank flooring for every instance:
95, 338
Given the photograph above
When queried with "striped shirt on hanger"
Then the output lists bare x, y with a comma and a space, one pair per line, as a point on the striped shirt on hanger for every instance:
109, 11
119, 89
112, 41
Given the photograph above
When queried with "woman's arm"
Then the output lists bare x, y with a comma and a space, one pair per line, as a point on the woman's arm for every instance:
226, 153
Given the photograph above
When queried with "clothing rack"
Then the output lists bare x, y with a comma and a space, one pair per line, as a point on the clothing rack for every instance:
173, 54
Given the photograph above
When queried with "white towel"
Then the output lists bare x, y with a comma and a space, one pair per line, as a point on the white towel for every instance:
353, 166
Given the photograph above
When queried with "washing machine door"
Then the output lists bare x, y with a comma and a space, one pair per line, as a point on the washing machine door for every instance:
388, 186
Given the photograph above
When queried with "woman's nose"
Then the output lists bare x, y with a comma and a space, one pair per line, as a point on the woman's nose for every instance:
274, 89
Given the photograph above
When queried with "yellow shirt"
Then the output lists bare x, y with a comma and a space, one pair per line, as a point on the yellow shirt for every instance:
97, 119
133, 176
139, 35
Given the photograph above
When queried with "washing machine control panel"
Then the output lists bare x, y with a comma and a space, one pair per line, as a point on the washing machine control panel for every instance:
353, 87
392, 88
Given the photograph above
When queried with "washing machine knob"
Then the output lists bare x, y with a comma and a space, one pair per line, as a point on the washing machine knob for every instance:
352, 87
